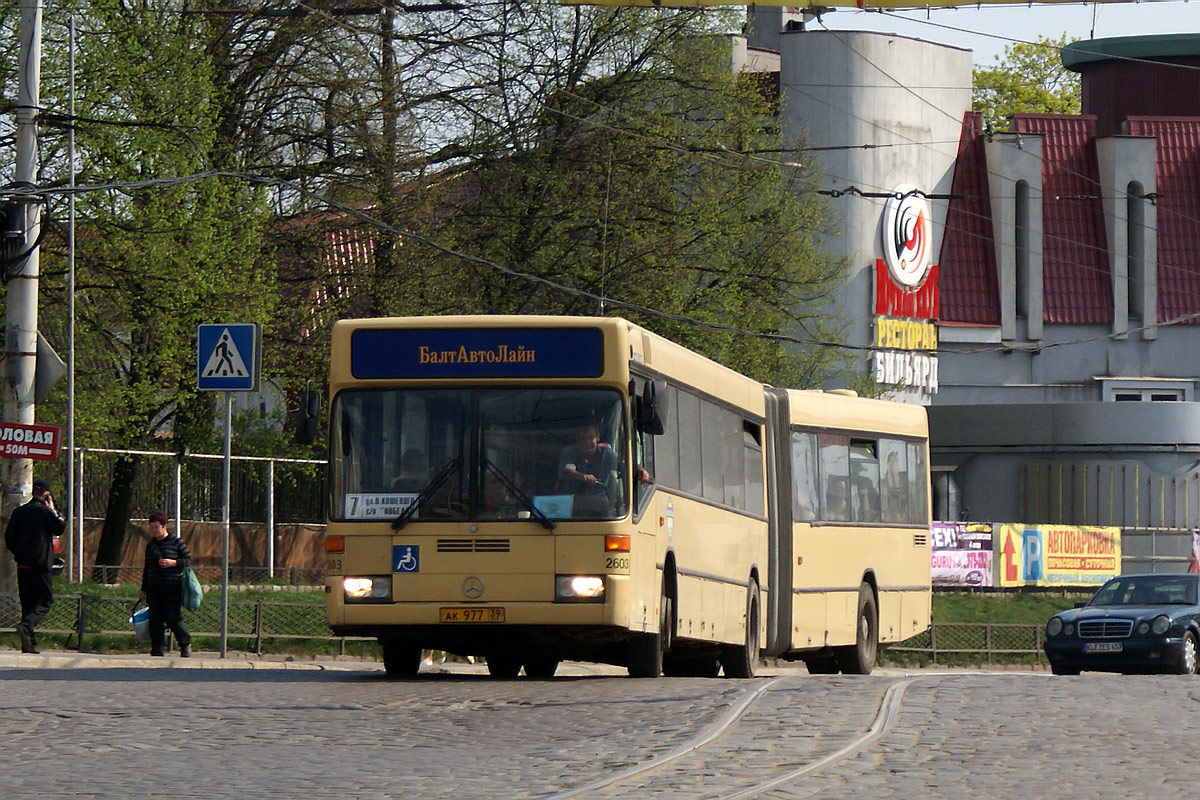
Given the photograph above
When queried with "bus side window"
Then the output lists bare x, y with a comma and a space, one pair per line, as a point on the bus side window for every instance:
804, 476
864, 476
893, 481
835, 477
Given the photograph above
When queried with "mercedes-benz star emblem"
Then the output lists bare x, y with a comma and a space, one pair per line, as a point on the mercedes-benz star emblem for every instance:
473, 587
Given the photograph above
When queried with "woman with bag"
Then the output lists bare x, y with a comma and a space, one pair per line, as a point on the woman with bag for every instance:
162, 585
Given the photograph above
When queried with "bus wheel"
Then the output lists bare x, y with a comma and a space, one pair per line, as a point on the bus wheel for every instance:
826, 665
400, 659
645, 658
739, 661
691, 665
503, 665
541, 667
860, 658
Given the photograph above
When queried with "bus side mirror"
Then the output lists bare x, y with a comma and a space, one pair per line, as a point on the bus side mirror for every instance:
310, 414
651, 416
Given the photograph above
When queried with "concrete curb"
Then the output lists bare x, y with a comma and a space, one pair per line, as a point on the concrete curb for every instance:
58, 660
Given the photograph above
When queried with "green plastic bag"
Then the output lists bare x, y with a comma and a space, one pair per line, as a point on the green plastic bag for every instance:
193, 594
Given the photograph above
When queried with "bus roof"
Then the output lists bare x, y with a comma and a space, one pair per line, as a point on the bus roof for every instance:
837, 411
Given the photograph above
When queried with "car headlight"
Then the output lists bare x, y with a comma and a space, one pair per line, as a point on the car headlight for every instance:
1054, 626
579, 588
1143, 628
1069, 629
367, 588
1161, 624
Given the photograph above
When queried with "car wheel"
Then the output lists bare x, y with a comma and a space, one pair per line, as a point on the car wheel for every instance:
1060, 669
1187, 655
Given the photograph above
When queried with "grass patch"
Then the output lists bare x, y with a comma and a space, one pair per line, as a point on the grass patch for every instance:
1023, 608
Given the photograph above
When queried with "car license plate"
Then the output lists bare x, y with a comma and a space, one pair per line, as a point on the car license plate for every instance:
1103, 647
474, 614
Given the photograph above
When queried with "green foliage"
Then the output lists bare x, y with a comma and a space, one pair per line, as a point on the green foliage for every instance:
1030, 79
152, 262
644, 187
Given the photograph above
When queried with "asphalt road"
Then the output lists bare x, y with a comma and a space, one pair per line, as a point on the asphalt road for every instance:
135, 727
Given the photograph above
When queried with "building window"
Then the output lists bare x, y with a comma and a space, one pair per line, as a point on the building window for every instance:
1127, 390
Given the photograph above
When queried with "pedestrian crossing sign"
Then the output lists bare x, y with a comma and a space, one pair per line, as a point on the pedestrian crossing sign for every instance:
228, 357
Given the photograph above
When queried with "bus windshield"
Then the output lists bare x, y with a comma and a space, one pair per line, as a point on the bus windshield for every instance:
478, 454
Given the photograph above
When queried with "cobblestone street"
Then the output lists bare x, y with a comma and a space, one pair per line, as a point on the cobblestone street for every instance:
115, 729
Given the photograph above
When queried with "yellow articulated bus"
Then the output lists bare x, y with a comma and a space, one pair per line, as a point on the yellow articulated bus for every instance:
534, 489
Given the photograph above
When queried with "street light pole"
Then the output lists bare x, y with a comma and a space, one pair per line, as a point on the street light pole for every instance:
20, 341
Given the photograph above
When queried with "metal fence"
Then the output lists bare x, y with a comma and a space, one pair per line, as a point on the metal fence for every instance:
252, 622
238, 575
283, 490
975, 642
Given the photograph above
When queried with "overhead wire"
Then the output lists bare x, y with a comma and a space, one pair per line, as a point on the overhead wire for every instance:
849, 190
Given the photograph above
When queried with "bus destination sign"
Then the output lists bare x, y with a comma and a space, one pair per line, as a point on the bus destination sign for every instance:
39, 442
477, 353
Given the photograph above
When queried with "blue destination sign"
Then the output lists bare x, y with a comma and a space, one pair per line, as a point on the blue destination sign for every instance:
477, 353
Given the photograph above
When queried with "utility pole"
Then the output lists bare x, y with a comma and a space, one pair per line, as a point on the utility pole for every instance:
20, 341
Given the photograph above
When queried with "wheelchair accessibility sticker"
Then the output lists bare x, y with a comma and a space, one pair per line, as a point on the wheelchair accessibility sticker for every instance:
406, 558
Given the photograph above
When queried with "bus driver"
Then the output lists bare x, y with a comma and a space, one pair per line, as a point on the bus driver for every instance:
587, 465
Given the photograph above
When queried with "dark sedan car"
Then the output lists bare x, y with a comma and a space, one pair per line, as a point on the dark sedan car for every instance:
1134, 623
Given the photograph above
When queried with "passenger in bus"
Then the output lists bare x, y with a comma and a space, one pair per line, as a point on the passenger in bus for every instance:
414, 472
837, 504
587, 467
498, 501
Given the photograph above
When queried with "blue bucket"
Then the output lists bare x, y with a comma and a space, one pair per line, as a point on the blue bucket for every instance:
140, 622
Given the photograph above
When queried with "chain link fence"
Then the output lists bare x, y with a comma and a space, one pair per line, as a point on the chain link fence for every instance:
953, 643
251, 622
211, 575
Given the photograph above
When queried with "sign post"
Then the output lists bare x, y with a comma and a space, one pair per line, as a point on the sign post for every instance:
227, 359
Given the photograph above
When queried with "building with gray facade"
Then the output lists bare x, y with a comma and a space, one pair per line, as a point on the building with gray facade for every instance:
1052, 332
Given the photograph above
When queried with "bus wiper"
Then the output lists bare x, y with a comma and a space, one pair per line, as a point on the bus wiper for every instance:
508, 484
423, 495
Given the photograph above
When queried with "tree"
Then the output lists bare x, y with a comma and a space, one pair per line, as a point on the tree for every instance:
611, 152
1030, 79
152, 261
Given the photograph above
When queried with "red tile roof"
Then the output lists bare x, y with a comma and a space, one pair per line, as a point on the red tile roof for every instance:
967, 279
1077, 287
1177, 173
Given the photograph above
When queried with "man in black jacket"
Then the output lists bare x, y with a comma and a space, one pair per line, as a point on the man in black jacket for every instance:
30, 537
162, 585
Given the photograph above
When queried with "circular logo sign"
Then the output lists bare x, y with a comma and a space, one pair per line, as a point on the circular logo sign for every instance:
906, 237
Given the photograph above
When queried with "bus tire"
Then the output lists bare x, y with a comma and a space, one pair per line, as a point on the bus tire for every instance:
645, 659
541, 667
503, 666
821, 665
400, 659
859, 659
740, 661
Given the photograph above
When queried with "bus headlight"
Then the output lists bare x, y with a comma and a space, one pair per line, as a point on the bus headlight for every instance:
578, 589
367, 589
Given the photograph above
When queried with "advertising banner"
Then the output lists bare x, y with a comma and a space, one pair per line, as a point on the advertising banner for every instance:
962, 554
1057, 555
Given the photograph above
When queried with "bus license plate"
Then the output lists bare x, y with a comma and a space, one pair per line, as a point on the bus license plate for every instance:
475, 614
1103, 647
